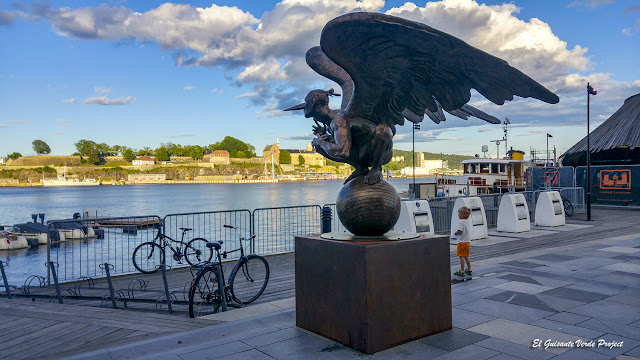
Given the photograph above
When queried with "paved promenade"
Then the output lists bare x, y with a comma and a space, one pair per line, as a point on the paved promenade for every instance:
576, 297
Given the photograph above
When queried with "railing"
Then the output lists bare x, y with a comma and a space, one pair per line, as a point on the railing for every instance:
276, 228
114, 238
78, 246
208, 225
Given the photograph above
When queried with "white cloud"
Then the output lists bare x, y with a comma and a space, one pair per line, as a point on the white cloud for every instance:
101, 89
247, 95
590, 3
484, 129
179, 136
216, 90
8, 17
64, 121
189, 87
69, 101
267, 53
630, 31
58, 132
103, 100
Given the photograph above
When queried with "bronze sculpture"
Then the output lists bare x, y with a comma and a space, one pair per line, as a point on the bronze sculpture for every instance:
390, 69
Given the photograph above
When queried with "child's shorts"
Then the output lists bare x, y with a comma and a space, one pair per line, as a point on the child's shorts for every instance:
463, 250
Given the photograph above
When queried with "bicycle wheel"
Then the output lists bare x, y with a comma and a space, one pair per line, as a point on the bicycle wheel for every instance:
204, 294
197, 252
147, 256
249, 279
568, 207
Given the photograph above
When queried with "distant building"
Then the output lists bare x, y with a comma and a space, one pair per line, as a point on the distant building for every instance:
397, 158
310, 156
143, 160
3, 161
147, 177
221, 157
270, 150
424, 167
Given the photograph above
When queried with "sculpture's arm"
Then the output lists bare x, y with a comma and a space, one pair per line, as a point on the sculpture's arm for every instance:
341, 146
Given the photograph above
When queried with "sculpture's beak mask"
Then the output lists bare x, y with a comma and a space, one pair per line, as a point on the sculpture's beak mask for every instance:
313, 99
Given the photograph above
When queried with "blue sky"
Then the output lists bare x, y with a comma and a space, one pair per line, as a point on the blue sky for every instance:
142, 73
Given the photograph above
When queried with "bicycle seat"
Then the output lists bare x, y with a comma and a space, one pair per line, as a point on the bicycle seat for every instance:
186, 229
214, 245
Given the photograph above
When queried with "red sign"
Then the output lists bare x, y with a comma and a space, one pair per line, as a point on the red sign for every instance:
615, 179
552, 178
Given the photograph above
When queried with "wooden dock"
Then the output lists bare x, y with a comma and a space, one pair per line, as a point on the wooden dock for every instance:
140, 223
42, 328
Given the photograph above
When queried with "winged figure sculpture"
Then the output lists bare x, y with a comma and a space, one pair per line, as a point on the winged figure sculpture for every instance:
391, 69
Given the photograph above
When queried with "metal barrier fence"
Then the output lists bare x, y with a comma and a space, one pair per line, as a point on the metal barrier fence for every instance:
208, 225
276, 228
79, 246
94, 241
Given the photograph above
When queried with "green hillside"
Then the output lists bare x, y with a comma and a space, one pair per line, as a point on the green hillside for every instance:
455, 161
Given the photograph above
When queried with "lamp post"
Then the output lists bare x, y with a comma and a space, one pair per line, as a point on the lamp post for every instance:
590, 92
413, 156
546, 161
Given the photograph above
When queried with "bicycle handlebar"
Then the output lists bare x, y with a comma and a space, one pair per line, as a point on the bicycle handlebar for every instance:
229, 226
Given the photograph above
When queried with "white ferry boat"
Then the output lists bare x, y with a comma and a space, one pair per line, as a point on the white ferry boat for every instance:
64, 181
480, 176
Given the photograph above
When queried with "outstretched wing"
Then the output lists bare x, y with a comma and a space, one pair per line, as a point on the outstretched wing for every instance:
319, 62
400, 68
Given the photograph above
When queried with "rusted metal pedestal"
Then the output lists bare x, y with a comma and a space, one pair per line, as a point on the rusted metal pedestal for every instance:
371, 296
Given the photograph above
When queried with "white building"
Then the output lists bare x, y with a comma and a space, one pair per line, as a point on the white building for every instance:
143, 160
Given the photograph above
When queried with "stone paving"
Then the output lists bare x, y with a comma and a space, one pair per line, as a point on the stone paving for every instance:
573, 302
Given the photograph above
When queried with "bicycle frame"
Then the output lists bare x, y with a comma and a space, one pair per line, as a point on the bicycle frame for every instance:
165, 240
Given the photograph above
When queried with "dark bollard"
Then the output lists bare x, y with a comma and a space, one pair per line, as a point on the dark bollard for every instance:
34, 217
325, 216
4, 278
166, 286
107, 267
41, 218
52, 267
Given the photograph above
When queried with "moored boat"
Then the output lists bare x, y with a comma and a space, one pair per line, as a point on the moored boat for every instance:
11, 241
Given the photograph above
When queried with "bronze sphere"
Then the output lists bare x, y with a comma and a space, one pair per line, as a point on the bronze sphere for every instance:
368, 210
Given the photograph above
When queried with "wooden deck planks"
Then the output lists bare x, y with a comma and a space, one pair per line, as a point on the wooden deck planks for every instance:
52, 330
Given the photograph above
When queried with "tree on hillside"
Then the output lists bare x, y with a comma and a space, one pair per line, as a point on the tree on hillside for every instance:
233, 145
94, 157
145, 151
300, 159
161, 154
195, 151
128, 155
84, 147
14, 155
285, 157
41, 147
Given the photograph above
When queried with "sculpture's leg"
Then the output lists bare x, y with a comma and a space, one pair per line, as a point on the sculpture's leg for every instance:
381, 148
357, 172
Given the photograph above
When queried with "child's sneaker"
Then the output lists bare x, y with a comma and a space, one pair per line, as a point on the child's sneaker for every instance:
468, 272
458, 273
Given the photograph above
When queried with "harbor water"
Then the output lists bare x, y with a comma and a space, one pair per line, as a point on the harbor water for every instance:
140, 200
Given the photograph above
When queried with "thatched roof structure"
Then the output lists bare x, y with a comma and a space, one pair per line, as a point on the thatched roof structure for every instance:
615, 142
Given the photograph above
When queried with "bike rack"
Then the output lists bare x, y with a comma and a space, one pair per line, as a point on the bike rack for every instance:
52, 265
107, 267
162, 268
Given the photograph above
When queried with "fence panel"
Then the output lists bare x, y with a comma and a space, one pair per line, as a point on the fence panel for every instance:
79, 246
210, 226
276, 228
491, 204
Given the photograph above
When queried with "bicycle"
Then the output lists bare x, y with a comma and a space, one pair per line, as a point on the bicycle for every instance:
148, 255
568, 207
247, 281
